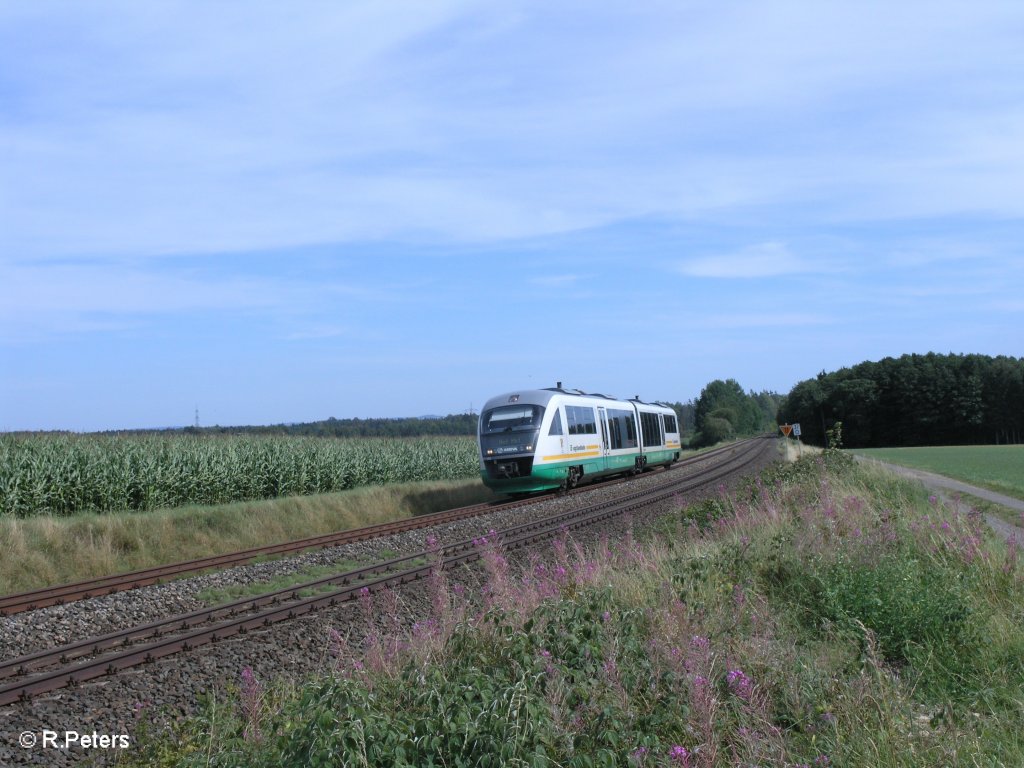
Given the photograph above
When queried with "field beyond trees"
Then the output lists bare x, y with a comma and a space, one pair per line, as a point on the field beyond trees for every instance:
828, 614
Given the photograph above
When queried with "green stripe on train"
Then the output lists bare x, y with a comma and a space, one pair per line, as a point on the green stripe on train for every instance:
547, 476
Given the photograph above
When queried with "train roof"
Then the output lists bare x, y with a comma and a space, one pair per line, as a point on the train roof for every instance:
543, 397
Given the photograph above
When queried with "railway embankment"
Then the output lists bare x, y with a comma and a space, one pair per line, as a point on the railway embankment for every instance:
827, 614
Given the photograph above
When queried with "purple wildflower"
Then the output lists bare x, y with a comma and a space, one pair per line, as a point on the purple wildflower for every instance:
680, 755
336, 643
1011, 554
740, 684
251, 694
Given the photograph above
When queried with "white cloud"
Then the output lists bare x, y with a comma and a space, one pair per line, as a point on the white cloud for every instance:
756, 261
554, 280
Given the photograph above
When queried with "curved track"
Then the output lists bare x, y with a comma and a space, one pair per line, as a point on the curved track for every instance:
211, 625
81, 590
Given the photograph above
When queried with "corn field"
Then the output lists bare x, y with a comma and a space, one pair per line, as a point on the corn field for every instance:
65, 474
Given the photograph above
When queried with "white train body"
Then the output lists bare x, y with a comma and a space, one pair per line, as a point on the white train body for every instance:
539, 439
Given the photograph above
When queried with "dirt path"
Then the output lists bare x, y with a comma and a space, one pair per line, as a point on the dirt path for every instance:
942, 483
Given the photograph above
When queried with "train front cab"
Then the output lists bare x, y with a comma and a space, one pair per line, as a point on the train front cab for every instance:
509, 431
544, 440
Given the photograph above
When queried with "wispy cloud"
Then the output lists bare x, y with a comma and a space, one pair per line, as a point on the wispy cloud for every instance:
318, 332
366, 121
554, 280
1009, 306
759, 320
39, 300
756, 261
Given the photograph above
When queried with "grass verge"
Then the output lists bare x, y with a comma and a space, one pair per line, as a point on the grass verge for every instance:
1007, 515
40, 551
828, 614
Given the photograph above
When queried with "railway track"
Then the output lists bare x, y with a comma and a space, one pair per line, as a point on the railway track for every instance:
139, 645
82, 590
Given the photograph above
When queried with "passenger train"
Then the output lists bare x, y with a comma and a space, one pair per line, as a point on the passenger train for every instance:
542, 439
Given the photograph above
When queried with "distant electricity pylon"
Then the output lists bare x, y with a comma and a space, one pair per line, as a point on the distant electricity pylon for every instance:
197, 417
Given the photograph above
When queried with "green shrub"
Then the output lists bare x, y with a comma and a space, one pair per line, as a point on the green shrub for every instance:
908, 605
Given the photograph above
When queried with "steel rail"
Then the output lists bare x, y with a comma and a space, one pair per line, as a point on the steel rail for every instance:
462, 552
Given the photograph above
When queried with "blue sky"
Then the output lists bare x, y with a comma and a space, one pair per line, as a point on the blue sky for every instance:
281, 212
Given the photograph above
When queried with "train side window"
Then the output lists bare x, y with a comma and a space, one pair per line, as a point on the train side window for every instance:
616, 429
670, 424
581, 420
623, 429
650, 425
556, 423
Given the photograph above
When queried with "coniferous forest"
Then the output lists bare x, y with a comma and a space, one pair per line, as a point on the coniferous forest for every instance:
913, 400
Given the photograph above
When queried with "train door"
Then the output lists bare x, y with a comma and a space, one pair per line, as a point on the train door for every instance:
602, 420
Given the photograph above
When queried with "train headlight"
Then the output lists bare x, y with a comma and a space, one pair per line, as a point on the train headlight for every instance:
490, 451
529, 448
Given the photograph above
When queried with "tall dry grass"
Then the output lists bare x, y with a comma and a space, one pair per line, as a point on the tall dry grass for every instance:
41, 551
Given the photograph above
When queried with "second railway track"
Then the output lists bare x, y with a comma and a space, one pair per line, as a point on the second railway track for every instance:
155, 640
65, 593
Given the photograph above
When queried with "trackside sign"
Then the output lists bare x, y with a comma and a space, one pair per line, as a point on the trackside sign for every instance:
786, 429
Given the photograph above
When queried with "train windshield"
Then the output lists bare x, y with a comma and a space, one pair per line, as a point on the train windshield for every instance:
511, 417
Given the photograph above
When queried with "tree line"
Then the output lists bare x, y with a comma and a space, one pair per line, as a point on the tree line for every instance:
724, 411
448, 426
929, 399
